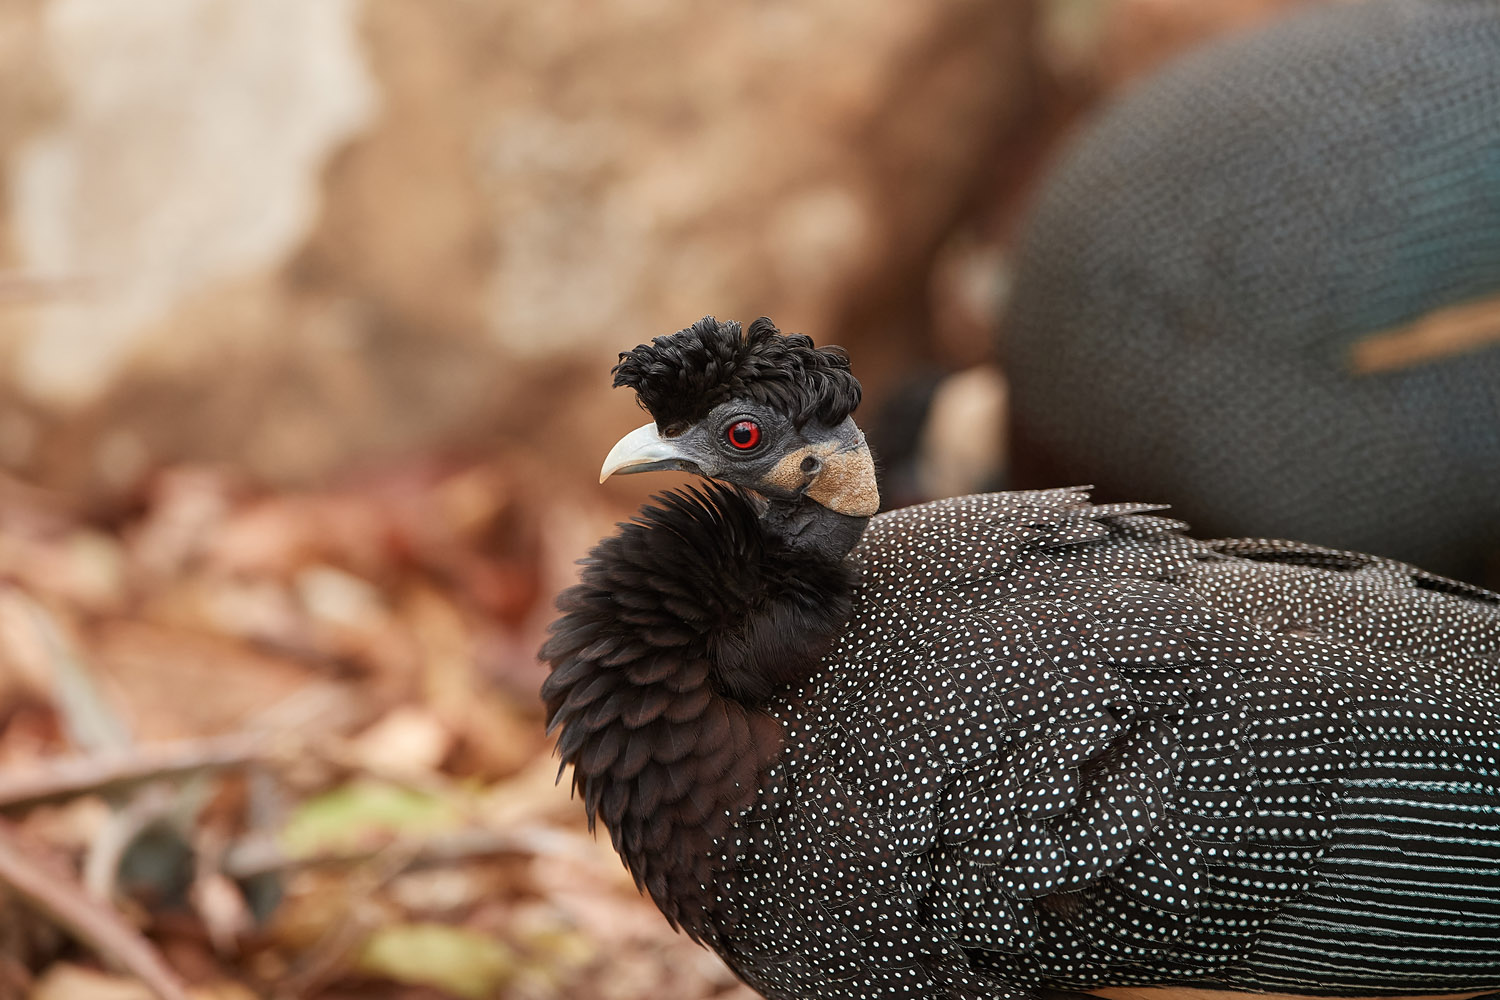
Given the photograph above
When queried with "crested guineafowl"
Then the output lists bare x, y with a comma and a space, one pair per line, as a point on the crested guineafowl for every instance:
1265, 286
1007, 745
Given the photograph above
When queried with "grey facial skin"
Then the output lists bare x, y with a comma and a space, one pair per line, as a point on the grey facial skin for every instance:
815, 484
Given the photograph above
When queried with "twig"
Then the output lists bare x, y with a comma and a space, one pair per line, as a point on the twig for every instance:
91, 722
260, 855
62, 778
329, 956
59, 898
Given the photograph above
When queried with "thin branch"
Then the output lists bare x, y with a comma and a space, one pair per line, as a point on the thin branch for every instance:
91, 722
62, 900
260, 854
61, 778
328, 957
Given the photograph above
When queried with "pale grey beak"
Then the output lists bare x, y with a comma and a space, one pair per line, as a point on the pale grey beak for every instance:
644, 450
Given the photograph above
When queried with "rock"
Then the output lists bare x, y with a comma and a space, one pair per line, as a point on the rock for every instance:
187, 156
299, 237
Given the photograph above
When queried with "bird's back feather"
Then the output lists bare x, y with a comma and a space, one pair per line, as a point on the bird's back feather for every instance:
1063, 744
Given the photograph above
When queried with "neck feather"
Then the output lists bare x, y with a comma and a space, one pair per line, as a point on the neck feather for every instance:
683, 626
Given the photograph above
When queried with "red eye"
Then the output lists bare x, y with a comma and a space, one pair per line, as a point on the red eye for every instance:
744, 435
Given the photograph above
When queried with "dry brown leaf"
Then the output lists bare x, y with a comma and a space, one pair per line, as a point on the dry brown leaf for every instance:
260, 610
71, 826
221, 905
188, 509
73, 982
64, 981
338, 599
182, 684
439, 892
532, 795
407, 740
83, 568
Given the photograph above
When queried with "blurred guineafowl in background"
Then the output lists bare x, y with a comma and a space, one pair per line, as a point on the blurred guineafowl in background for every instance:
1266, 289
996, 745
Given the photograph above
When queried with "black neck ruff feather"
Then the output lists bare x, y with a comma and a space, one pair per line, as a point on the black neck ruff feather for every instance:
684, 624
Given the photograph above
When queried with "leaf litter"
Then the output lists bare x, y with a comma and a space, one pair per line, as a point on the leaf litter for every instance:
288, 744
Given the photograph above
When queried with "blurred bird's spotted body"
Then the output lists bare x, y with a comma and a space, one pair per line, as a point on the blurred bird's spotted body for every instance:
1000, 745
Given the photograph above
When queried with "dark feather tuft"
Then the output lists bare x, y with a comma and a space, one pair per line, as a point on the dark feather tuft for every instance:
680, 377
656, 698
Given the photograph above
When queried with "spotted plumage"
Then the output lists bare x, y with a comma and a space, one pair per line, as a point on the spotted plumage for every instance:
1032, 743
1238, 287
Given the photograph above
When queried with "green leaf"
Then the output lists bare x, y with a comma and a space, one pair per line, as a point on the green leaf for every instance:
362, 811
460, 961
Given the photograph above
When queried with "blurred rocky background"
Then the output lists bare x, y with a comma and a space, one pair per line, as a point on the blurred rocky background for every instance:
299, 238
307, 309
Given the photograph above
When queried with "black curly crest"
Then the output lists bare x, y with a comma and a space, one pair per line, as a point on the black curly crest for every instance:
680, 377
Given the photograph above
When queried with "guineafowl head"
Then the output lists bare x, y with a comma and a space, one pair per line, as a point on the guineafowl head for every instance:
753, 408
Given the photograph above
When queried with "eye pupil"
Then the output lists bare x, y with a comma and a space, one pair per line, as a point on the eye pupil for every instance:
744, 434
